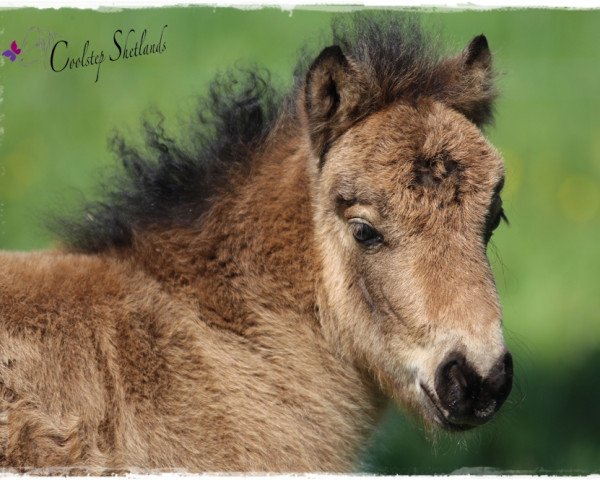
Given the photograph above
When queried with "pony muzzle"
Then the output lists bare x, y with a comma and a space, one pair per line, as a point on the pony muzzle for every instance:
464, 399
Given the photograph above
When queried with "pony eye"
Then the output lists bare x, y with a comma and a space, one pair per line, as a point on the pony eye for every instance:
365, 234
493, 220
501, 216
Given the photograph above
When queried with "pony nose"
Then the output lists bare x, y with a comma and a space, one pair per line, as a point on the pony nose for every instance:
467, 398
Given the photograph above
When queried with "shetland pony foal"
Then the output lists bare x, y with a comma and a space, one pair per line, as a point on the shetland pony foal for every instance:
249, 302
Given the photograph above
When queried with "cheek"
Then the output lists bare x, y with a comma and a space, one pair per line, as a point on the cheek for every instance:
398, 294
395, 308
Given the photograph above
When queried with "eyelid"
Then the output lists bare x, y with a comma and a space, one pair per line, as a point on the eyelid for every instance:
361, 212
360, 220
499, 186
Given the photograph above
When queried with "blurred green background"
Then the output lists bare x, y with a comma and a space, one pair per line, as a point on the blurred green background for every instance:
547, 263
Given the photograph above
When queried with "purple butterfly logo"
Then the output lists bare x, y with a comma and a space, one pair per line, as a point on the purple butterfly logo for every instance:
13, 52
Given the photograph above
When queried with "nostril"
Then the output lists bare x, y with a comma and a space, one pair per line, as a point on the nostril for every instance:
456, 385
499, 382
508, 364
456, 375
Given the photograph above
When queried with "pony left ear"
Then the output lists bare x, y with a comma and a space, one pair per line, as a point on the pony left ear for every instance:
471, 84
477, 54
333, 99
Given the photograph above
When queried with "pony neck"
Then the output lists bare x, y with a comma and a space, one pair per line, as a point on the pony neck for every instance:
251, 269
255, 243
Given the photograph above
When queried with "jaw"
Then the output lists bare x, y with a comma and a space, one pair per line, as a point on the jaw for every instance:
434, 414
413, 396
423, 407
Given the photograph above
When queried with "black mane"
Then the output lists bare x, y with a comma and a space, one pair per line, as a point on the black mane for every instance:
167, 183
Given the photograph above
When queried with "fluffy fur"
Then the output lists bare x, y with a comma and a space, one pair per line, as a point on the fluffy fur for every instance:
216, 312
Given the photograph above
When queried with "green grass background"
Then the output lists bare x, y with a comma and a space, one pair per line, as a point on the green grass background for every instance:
547, 263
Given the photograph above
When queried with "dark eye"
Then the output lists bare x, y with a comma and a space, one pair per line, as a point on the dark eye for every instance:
365, 234
494, 216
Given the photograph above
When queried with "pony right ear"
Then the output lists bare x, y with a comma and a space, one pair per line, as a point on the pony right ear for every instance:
333, 94
471, 82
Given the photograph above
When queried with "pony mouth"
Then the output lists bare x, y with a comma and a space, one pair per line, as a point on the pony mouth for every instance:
438, 414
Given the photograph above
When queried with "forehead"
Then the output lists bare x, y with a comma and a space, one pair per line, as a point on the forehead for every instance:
415, 152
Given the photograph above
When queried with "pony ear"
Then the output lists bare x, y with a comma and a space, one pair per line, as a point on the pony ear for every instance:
332, 96
477, 54
471, 88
